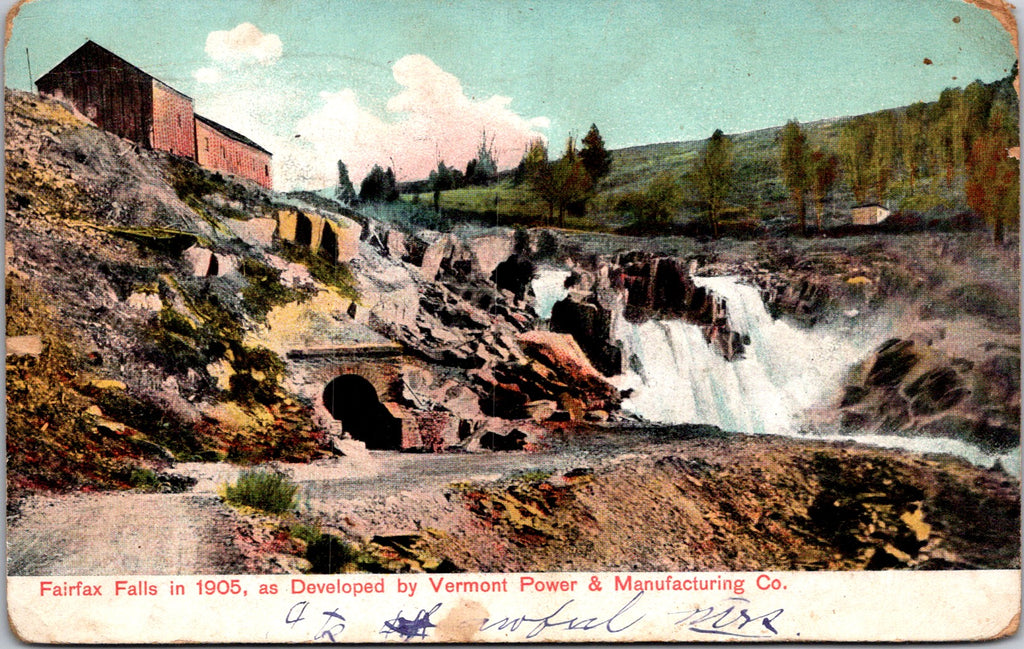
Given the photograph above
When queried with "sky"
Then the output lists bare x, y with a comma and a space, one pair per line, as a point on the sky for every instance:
406, 83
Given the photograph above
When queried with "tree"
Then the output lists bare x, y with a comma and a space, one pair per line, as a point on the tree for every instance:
883, 152
855, 148
824, 172
948, 120
571, 183
794, 161
993, 183
441, 180
713, 176
378, 186
911, 141
390, 186
654, 206
538, 175
483, 169
596, 159
344, 192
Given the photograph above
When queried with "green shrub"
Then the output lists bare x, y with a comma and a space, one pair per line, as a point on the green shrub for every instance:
189, 180
263, 490
329, 554
246, 388
145, 479
324, 271
308, 533
265, 290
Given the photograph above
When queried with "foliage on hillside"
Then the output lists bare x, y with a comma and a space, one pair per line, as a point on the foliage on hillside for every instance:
917, 159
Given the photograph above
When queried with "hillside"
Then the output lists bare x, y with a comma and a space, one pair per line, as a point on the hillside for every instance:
921, 149
159, 313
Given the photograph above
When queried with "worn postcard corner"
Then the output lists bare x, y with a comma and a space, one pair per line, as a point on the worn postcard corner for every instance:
507, 322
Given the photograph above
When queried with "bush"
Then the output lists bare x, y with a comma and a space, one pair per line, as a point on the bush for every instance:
333, 274
145, 479
263, 490
308, 533
329, 554
264, 290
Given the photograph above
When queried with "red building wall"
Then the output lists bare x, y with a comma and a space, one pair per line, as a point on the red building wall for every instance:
173, 121
221, 153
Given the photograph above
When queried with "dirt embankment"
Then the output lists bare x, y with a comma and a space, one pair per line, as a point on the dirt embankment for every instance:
679, 498
690, 498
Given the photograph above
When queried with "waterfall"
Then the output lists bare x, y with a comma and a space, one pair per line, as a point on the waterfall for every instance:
548, 289
677, 377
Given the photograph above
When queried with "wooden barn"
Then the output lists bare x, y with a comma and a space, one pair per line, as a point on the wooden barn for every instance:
120, 98
221, 149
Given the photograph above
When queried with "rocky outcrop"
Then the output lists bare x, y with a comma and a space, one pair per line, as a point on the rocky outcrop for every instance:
589, 322
909, 387
514, 275
650, 288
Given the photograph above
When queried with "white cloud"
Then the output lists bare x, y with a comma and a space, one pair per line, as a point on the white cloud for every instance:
243, 45
430, 118
207, 75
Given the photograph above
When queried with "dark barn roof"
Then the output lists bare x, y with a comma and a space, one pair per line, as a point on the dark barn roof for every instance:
234, 135
89, 49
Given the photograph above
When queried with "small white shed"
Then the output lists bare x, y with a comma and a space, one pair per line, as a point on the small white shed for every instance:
869, 214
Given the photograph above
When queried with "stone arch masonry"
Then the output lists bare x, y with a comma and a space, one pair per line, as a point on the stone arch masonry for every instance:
381, 364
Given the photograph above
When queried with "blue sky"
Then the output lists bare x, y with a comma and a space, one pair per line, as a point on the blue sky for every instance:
412, 81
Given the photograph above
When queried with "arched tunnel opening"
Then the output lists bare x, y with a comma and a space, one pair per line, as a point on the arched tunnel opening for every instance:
353, 401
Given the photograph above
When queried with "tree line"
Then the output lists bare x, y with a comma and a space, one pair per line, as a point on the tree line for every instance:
955, 146
958, 142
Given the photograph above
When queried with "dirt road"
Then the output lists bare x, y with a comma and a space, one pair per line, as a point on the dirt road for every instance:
122, 534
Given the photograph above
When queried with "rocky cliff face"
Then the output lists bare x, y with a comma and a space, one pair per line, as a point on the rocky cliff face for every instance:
909, 387
159, 303
643, 287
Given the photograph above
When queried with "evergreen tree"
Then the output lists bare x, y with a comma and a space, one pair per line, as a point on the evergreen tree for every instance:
378, 186
344, 192
370, 191
390, 186
442, 179
596, 159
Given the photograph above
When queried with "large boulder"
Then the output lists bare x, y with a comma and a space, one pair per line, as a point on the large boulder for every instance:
590, 324
661, 288
490, 250
909, 386
571, 367
514, 275
257, 232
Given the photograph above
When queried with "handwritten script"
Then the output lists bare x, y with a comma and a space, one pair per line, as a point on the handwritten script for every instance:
731, 618
566, 619
409, 628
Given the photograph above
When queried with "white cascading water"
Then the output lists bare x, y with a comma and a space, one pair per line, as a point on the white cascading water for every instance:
677, 377
548, 289
782, 372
